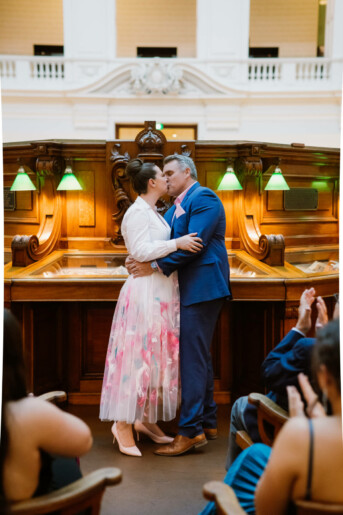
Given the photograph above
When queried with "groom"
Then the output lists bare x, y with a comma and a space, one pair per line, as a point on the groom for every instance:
204, 285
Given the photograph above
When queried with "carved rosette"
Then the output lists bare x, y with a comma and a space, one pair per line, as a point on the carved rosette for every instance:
121, 197
156, 78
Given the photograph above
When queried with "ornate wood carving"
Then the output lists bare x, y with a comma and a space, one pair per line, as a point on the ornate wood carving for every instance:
31, 248
150, 142
269, 248
24, 249
121, 187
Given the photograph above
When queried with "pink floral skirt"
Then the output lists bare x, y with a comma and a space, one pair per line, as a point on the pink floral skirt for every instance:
141, 379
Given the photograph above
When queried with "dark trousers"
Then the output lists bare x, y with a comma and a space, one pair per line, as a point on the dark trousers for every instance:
198, 409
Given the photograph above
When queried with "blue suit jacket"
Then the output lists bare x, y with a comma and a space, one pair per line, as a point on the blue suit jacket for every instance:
205, 275
280, 369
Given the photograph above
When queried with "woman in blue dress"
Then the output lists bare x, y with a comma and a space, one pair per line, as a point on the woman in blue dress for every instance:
306, 461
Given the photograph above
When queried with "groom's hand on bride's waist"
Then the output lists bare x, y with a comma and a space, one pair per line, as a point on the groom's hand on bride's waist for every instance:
138, 269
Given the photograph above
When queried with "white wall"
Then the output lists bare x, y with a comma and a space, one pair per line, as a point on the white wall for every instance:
308, 120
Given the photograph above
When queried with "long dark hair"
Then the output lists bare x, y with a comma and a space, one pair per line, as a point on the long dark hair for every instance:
139, 174
13, 386
326, 351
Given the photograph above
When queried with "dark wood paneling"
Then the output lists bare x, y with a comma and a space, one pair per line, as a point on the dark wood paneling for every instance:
96, 327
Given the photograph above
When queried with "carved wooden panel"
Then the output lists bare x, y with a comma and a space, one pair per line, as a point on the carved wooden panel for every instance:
273, 209
43, 336
256, 328
96, 327
86, 199
27, 205
24, 200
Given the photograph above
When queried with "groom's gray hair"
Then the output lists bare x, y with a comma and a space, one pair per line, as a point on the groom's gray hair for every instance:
184, 162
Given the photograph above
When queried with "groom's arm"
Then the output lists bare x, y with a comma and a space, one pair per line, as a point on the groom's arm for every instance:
203, 220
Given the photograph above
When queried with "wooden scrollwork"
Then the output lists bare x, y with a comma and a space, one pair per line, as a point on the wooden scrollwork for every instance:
121, 190
24, 250
273, 249
30, 248
269, 248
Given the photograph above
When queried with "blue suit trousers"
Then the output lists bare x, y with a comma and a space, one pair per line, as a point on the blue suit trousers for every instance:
198, 409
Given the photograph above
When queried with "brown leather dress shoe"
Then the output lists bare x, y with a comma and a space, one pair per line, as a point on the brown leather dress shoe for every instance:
181, 444
211, 433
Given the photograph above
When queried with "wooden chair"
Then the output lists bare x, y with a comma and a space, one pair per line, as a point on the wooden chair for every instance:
84, 495
270, 419
54, 396
227, 503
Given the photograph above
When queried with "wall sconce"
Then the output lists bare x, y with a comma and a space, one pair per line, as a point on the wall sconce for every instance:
277, 181
69, 182
229, 181
22, 182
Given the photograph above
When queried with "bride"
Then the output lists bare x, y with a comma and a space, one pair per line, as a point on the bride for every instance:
141, 379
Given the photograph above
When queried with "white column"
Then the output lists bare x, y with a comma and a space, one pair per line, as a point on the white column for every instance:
89, 29
223, 29
334, 38
333, 29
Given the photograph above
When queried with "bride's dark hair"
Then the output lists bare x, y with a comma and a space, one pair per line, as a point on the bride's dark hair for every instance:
13, 387
139, 174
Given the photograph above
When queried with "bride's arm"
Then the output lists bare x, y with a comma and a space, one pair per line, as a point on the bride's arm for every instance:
136, 232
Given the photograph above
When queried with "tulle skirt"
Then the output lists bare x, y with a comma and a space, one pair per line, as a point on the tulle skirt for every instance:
141, 379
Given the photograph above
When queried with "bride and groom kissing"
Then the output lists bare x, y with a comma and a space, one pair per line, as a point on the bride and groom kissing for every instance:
167, 311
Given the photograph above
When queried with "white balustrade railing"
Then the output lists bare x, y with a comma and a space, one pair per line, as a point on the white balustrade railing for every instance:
7, 68
313, 71
59, 73
260, 71
47, 69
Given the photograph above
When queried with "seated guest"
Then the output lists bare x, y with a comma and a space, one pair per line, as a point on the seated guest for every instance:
306, 461
281, 368
35, 434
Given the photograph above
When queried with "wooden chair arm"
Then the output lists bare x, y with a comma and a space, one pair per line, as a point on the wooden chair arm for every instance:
269, 407
243, 440
54, 396
224, 498
70, 495
317, 508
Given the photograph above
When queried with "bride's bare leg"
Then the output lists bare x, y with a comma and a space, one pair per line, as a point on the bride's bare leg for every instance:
154, 428
125, 434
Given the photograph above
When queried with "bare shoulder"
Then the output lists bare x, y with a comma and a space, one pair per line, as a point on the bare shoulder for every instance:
294, 432
31, 408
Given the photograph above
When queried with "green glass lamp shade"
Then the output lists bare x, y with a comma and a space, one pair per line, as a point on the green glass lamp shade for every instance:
22, 182
277, 181
69, 182
230, 181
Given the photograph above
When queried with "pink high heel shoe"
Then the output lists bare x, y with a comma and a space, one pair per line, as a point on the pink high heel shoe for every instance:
130, 451
141, 428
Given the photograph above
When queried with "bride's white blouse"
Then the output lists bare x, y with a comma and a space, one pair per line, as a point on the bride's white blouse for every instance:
146, 233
